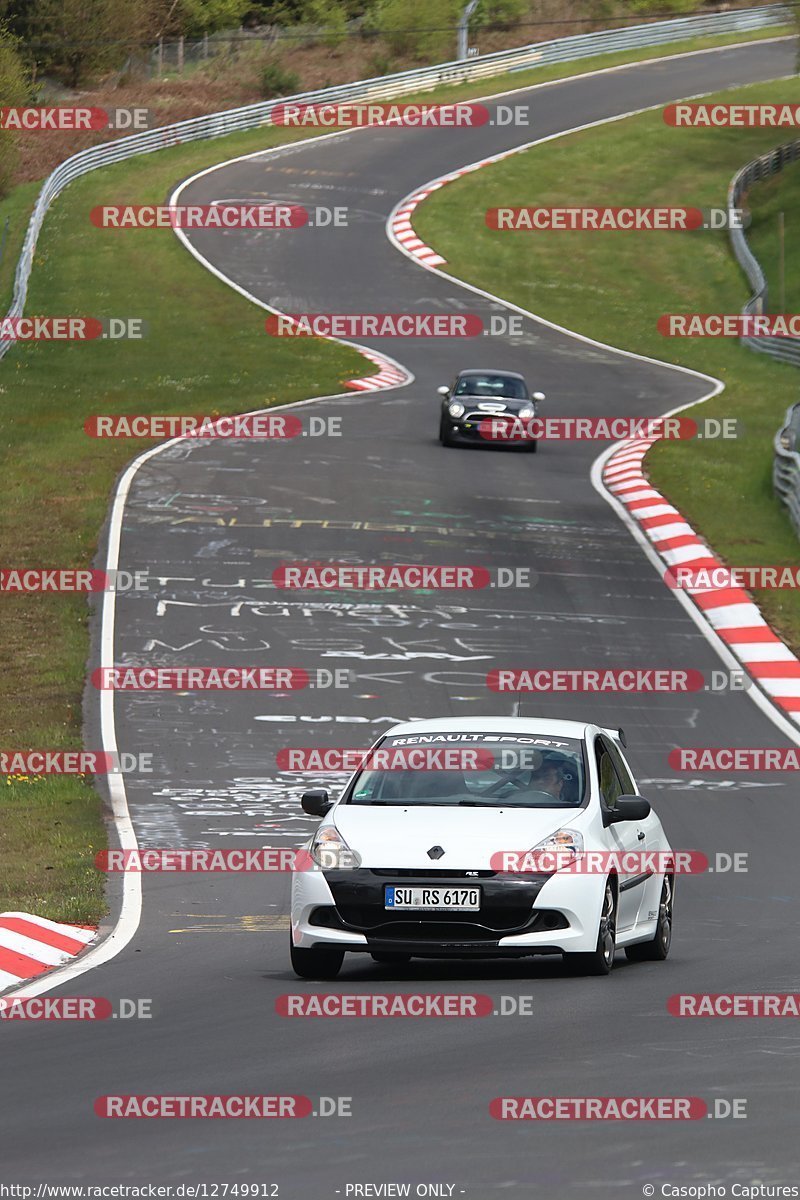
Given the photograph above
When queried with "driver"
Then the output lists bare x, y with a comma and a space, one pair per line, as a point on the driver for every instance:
549, 778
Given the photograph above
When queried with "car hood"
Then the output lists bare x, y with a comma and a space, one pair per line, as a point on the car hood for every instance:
398, 836
492, 403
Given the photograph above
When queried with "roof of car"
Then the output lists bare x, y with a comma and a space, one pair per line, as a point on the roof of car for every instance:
543, 726
491, 371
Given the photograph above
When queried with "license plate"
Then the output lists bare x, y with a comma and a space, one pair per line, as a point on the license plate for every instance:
459, 898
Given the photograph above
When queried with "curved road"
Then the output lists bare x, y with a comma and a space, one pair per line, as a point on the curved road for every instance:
214, 520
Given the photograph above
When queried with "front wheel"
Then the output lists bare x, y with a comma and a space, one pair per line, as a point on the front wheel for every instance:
601, 959
316, 962
445, 437
657, 949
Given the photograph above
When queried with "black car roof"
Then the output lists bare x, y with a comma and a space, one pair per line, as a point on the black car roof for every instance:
491, 371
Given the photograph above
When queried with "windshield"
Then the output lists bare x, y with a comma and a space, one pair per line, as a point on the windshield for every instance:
491, 385
472, 770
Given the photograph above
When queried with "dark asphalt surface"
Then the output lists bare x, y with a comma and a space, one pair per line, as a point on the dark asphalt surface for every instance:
214, 520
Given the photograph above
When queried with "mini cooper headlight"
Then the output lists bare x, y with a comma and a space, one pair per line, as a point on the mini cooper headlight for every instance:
330, 851
455, 409
526, 413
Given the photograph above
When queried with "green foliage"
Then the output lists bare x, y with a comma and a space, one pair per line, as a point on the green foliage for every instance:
497, 12
276, 80
196, 17
423, 29
14, 89
330, 14
79, 40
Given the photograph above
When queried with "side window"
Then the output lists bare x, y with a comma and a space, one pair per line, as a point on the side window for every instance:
627, 783
610, 785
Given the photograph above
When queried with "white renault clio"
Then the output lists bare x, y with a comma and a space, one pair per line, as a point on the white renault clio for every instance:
485, 837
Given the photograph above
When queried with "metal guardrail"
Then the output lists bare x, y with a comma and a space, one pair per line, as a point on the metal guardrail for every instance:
784, 348
386, 87
786, 465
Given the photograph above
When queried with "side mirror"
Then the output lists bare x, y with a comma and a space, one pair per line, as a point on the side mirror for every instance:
316, 802
538, 397
629, 808
443, 391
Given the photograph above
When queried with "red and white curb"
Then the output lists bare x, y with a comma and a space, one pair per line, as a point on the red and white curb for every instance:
30, 945
390, 374
400, 222
730, 611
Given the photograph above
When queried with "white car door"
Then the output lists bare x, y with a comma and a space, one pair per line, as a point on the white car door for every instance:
622, 836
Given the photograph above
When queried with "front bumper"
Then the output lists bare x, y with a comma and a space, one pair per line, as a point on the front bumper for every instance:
519, 914
468, 428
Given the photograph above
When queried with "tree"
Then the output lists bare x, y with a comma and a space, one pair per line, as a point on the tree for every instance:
79, 39
15, 90
422, 28
331, 15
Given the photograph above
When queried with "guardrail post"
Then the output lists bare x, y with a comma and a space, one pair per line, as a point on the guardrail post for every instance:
463, 29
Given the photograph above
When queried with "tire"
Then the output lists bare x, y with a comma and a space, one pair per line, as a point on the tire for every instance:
532, 446
601, 960
444, 433
392, 958
657, 949
316, 962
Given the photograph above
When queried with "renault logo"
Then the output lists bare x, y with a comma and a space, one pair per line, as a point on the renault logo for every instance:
435, 852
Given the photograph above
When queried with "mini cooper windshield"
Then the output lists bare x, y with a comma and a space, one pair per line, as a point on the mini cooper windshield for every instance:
472, 770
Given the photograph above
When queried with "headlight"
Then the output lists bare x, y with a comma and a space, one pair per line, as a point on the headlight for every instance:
526, 413
455, 409
330, 851
558, 852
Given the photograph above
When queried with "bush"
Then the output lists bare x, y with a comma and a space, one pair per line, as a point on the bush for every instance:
15, 89
418, 28
330, 14
423, 29
278, 81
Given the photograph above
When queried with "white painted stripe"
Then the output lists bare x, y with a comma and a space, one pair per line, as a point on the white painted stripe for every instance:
642, 494
73, 931
731, 616
8, 980
685, 554
38, 951
781, 687
663, 533
654, 510
756, 652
